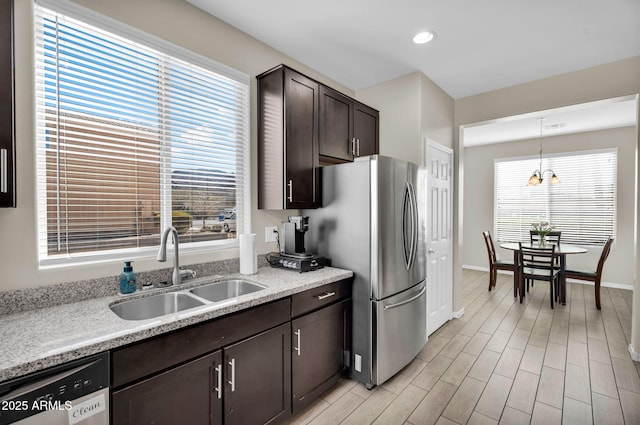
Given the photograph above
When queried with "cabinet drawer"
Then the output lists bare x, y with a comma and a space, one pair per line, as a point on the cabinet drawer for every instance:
151, 356
313, 299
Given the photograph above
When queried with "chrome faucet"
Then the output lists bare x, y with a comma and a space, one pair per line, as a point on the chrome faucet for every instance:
176, 277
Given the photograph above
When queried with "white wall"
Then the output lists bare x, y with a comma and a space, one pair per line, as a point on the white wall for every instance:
411, 107
178, 22
398, 101
436, 113
479, 196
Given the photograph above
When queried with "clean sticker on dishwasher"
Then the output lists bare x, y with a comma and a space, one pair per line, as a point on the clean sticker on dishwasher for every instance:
86, 409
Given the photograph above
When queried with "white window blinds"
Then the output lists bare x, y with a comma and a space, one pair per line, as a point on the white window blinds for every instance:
582, 206
131, 140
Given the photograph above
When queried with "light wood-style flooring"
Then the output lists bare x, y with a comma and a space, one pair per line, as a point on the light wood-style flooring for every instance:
507, 363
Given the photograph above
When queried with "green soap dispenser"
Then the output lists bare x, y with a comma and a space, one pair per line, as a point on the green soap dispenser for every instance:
127, 279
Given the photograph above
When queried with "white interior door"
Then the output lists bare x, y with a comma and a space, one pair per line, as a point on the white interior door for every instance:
439, 160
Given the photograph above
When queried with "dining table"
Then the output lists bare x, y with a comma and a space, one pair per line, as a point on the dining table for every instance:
562, 250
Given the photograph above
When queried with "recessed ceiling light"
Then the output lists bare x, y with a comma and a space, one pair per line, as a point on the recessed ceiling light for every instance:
424, 37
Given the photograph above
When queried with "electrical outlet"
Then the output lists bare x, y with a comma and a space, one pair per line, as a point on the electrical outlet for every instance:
270, 234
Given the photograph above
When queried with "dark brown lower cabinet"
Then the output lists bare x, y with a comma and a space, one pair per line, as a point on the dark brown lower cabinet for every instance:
245, 368
183, 395
320, 341
253, 382
258, 378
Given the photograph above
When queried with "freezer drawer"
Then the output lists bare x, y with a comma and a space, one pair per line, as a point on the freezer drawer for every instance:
400, 331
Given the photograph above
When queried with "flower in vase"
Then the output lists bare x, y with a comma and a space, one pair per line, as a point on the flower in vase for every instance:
542, 228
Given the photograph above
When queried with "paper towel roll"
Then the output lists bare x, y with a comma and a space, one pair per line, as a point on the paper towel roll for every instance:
248, 257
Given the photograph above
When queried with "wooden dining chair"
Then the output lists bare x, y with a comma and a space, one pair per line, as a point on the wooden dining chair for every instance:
494, 263
591, 275
553, 236
538, 263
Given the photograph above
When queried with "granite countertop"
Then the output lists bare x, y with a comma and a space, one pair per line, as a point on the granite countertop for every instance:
37, 339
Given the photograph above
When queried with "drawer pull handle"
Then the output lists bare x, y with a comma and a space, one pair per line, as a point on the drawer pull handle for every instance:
398, 304
298, 349
232, 363
325, 295
218, 388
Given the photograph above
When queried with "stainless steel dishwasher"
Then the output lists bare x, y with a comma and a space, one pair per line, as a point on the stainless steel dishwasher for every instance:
69, 394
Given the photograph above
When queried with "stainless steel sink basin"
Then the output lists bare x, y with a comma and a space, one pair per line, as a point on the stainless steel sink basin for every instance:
226, 289
155, 306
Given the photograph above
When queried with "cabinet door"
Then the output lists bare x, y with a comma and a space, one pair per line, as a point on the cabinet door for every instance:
365, 129
301, 183
258, 378
7, 144
188, 394
319, 343
335, 126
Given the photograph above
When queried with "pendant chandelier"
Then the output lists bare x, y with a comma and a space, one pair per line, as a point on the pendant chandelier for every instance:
536, 177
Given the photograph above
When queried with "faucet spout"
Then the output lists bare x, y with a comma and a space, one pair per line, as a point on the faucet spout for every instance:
176, 277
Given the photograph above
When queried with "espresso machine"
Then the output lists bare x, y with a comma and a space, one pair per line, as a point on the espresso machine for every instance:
293, 237
292, 252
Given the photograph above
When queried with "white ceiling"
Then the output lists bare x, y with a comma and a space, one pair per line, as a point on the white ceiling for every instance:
599, 115
480, 45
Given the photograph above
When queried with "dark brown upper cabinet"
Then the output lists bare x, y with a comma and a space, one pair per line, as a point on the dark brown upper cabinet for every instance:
303, 125
7, 140
347, 128
365, 129
288, 174
336, 143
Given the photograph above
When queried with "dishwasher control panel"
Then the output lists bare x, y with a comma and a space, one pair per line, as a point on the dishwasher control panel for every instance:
53, 389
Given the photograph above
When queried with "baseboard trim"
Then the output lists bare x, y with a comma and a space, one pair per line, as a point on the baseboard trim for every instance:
634, 356
485, 269
458, 314
604, 284
613, 285
477, 268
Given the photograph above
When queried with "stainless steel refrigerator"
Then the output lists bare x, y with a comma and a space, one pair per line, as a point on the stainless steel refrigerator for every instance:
372, 222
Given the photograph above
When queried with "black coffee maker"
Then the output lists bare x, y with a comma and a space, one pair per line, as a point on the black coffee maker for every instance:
292, 255
294, 231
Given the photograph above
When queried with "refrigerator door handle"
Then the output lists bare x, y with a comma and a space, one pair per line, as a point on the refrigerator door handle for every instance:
416, 216
413, 209
406, 205
403, 302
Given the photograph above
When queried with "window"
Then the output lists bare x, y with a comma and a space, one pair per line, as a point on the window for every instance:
133, 135
582, 206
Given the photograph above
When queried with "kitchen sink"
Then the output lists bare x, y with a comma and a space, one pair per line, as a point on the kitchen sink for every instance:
155, 306
226, 289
